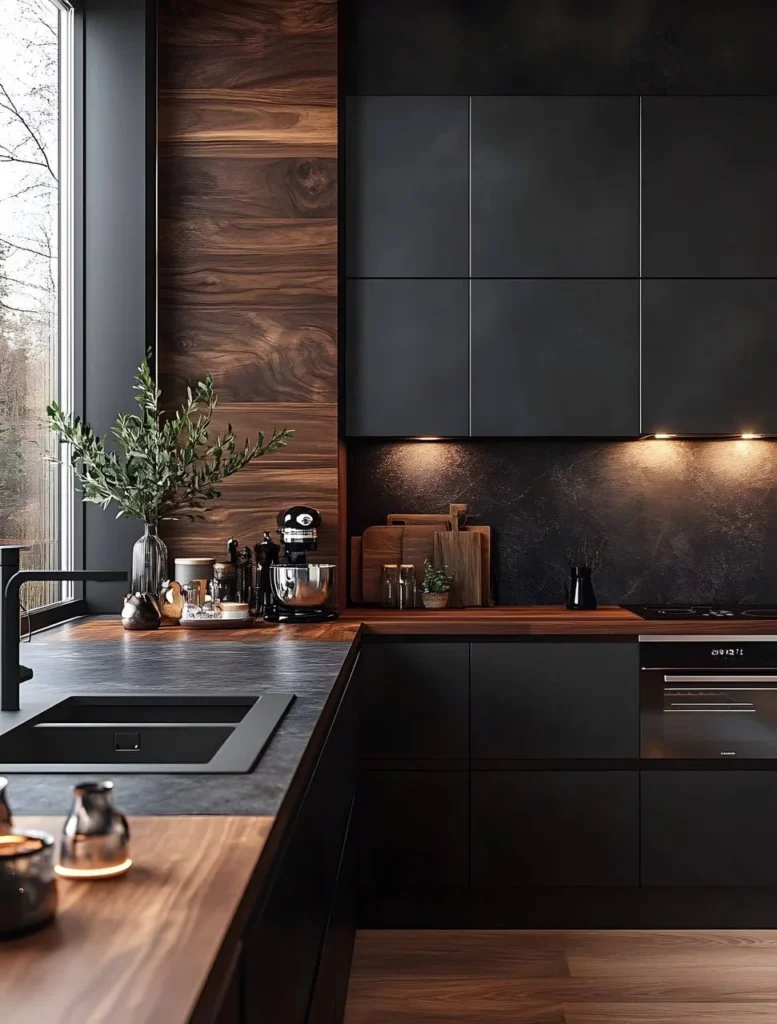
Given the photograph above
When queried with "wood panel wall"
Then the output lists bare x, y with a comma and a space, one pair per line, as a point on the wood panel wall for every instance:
248, 245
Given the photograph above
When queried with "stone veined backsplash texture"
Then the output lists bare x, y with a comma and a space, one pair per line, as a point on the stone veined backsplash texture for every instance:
677, 520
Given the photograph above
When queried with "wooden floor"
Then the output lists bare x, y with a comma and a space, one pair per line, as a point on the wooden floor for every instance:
594, 977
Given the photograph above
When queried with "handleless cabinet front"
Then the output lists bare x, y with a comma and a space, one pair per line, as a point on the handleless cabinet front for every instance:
555, 358
414, 701
555, 186
407, 358
555, 700
407, 186
555, 828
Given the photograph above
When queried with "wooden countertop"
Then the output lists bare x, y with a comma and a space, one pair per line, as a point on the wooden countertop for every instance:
136, 949
538, 620
502, 620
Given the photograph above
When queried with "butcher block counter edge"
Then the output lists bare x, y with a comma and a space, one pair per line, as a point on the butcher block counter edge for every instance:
505, 620
140, 948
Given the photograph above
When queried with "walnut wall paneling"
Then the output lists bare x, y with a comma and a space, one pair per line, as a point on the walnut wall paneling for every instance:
248, 244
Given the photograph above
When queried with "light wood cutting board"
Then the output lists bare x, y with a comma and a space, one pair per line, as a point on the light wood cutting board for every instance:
461, 552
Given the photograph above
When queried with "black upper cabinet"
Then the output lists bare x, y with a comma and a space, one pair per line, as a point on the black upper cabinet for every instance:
709, 356
555, 186
407, 186
555, 700
709, 202
407, 358
555, 358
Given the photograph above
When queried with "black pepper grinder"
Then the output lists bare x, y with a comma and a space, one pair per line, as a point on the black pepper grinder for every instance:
232, 550
243, 576
267, 553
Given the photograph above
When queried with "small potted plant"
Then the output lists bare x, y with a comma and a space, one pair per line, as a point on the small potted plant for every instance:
435, 587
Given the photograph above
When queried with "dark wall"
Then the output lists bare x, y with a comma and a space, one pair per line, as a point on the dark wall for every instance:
593, 47
679, 520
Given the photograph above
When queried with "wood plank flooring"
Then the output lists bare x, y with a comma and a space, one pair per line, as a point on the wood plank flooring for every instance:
554, 977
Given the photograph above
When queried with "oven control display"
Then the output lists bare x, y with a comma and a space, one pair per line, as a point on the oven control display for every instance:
728, 652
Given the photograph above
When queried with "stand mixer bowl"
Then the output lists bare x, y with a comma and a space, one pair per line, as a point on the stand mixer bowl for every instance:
303, 586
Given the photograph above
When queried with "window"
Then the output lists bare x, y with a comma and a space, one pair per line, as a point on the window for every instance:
37, 499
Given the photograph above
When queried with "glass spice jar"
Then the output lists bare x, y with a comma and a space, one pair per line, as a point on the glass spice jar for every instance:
389, 586
222, 587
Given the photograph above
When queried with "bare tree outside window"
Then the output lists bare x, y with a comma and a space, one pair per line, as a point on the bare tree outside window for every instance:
32, 326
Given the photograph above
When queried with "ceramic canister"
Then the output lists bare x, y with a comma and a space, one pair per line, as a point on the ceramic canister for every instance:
187, 569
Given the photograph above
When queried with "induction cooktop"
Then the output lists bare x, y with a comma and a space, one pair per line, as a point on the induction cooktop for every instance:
703, 611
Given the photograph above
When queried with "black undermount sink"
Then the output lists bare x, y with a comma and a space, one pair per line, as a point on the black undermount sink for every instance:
208, 735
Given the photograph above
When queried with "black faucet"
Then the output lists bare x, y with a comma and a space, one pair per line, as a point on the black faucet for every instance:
12, 674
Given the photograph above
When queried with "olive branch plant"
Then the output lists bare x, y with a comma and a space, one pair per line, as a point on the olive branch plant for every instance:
153, 465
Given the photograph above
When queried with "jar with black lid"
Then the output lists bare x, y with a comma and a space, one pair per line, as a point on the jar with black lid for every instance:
222, 587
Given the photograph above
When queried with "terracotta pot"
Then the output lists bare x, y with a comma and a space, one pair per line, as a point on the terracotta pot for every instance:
436, 601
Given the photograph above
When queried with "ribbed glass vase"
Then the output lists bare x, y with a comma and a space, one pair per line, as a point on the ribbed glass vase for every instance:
149, 562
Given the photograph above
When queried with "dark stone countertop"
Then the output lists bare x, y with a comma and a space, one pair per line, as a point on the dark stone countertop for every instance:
307, 668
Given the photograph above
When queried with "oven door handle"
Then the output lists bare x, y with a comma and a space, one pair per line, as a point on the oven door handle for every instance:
723, 680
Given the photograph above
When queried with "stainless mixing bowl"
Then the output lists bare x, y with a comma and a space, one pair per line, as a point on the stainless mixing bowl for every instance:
303, 586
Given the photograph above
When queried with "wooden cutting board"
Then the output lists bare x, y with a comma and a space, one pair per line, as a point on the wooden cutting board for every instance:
460, 551
439, 520
381, 545
487, 585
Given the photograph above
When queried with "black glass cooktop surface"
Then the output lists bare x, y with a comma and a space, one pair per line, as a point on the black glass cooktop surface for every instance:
703, 611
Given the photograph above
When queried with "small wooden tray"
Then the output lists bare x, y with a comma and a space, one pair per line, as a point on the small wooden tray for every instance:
217, 623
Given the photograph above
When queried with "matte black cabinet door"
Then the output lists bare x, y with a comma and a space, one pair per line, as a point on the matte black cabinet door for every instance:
407, 358
709, 357
555, 700
407, 186
714, 828
414, 829
555, 186
709, 204
555, 358
414, 701
554, 828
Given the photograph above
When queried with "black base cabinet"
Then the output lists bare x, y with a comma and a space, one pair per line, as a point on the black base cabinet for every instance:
554, 828
413, 702
709, 828
556, 700
414, 829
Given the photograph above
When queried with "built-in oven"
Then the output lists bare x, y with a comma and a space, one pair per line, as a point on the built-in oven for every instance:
708, 697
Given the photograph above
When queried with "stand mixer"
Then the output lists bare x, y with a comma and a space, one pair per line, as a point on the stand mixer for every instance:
300, 589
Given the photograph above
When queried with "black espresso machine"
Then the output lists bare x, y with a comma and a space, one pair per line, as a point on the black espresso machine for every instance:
300, 590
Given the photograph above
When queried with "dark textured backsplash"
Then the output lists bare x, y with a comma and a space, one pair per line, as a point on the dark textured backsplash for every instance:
679, 520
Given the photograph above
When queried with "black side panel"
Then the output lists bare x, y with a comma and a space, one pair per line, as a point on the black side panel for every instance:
414, 701
407, 358
709, 356
407, 186
555, 358
555, 700
709, 203
284, 946
554, 828
555, 186
414, 829
709, 828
